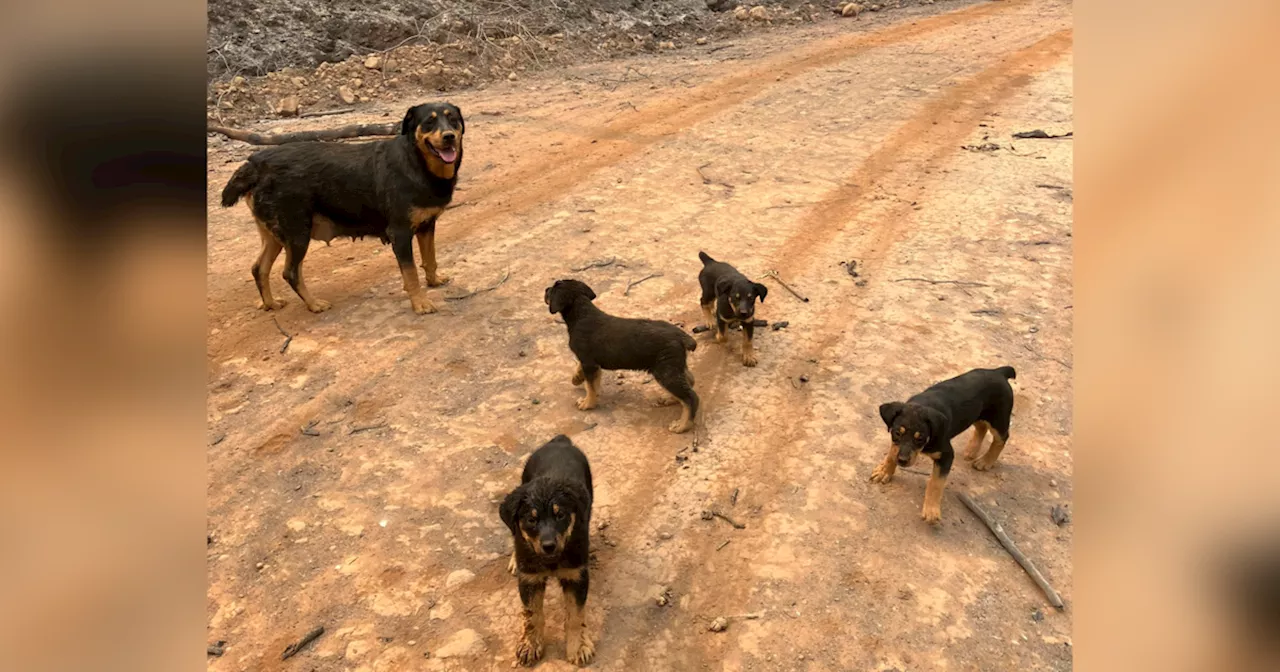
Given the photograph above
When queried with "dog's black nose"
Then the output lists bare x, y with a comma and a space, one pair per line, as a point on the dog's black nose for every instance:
448, 136
548, 547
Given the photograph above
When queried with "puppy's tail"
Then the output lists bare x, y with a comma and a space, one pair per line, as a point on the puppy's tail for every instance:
687, 341
1007, 372
706, 259
241, 183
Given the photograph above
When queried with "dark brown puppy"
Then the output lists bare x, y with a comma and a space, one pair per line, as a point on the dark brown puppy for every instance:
926, 423
728, 297
549, 516
602, 341
392, 189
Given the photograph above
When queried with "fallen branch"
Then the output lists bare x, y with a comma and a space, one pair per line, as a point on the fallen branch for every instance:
294, 648
711, 513
325, 113
726, 543
1025, 135
627, 291
480, 291
353, 131
1044, 357
288, 338
774, 275
958, 283
1009, 546
599, 263
357, 430
707, 180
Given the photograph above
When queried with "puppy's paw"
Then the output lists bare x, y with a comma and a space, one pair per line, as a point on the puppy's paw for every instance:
437, 279
970, 455
931, 514
421, 304
276, 304
586, 651
680, 427
529, 651
319, 306
665, 401
749, 359
511, 565
983, 464
881, 475
586, 404
721, 337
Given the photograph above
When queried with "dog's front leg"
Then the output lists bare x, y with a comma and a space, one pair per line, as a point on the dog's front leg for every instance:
427, 250
591, 376
884, 472
932, 511
577, 644
748, 349
402, 246
529, 651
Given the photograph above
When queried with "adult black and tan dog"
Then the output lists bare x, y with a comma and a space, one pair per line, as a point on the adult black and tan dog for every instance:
602, 341
926, 423
393, 189
728, 297
550, 520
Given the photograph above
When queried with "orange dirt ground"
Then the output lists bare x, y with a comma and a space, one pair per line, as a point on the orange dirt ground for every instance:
793, 150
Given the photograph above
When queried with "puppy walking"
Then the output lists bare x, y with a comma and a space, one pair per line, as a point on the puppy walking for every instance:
728, 298
926, 423
390, 189
549, 516
602, 341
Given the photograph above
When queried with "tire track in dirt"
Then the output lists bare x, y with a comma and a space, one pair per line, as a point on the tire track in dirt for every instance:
920, 145
534, 182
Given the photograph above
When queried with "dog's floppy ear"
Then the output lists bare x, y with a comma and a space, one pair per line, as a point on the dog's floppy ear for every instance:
937, 424
410, 123
591, 294
556, 300
890, 411
761, 291
510, 508
580, 501
722, 286
462, 123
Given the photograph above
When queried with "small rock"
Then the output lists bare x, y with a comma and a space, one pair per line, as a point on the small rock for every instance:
719, 625
699, 329
1060, 515
700, 40
357, 83
458, 578
217, 648
288, 106
741, 13
462, 643
851, 9
860, 283
779, 325
237, 81
804, 378
663, 598
759, 13
260, 566
1053, 483
1037, 615
512, 77
667, 45
346, 94
373, 62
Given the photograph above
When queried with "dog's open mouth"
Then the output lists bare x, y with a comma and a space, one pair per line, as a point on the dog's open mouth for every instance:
446, 154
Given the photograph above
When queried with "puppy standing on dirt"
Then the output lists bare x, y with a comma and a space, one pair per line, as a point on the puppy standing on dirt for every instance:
732, 298
928, 421
602, 341
550, 519
393, 189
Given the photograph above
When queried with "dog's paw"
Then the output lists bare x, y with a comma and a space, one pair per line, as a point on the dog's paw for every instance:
931, 514
276, 304
970, 455
586, 652
511, 565
319, 306
421, 304
664, 401
749, 360
679, 427
529, 651
721, 337
585, 404
438, 279
983, 464
881, 475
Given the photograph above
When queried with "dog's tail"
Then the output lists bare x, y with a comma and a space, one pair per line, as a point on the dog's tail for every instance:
1007, 372
687, 341
706, 259
244, 180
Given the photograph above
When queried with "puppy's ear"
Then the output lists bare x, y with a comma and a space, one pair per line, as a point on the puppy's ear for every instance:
580, 501
890, 411
722, 286
761, 291
509, 510
937, 422
556, 300
591, 294
410, 123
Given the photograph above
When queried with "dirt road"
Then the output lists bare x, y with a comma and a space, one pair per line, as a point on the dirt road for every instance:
794, 151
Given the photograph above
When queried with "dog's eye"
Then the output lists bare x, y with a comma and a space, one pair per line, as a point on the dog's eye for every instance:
560, 514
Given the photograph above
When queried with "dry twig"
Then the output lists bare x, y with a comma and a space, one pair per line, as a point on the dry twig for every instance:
481, 291
774, 274
352, 131
288, 338
599, 263
958, 283
627, 291
1009, 546
306, 639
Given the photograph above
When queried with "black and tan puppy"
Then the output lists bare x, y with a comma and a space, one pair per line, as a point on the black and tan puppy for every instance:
602, 341
392, 189
926, 423
550, 519
728, 297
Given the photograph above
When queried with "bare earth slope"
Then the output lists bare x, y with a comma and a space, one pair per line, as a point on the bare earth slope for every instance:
795, 151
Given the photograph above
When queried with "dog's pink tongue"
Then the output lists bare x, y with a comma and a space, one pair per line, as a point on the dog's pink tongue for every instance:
448, 155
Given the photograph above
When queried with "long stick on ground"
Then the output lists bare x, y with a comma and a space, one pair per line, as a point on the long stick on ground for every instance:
778, 279
1008, 544
352, 131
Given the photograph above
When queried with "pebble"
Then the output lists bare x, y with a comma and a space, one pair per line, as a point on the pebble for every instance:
458, 578
719, 625
701, 40
346, 95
